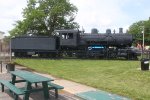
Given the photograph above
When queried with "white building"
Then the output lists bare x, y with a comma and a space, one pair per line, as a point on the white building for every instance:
1, 35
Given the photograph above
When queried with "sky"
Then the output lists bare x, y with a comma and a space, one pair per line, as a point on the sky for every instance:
100, 14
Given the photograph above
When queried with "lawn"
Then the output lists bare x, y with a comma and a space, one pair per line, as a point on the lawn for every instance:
116, 76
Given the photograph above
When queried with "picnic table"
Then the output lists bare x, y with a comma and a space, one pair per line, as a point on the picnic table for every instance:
31, 78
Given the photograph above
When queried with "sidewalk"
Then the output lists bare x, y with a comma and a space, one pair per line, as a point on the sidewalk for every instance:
71, 91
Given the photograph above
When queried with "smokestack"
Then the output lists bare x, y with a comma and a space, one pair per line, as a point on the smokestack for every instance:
120, 30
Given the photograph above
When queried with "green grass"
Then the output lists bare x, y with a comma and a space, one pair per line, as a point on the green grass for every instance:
116, 76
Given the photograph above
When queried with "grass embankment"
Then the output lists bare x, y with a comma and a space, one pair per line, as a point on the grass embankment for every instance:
121, 77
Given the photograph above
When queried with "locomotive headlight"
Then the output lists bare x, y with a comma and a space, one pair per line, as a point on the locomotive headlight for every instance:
89, 48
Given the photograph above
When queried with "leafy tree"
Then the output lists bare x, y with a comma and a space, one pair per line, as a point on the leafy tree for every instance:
42, 17
147, 27
19, 29
137, 29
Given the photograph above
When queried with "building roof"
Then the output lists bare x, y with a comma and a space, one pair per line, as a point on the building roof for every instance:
2, 32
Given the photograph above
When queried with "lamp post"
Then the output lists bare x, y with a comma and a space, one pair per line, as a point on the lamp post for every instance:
143, 41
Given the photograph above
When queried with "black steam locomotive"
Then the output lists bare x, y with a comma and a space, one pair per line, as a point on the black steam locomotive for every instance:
75, 43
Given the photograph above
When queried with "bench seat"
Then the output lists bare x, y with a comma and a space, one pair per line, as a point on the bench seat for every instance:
55, 87
52, 86
12, 87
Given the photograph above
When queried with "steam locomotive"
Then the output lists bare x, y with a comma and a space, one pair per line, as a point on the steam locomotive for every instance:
75, 43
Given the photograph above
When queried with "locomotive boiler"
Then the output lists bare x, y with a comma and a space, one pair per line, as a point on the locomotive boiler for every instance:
75, 43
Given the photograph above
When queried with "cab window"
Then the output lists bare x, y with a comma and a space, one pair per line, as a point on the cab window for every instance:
67, 36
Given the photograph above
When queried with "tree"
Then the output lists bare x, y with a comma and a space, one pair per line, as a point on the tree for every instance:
137, 29
19, 29
42, 17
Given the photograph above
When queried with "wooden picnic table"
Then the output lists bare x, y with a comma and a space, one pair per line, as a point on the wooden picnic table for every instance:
31, 78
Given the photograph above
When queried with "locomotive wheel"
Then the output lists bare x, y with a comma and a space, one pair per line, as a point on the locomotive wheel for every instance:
112, 55
16, 54
43, 55
60, 55
131, 57
53, 55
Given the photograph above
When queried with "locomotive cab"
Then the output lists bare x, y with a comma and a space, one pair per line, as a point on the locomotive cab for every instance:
68, 38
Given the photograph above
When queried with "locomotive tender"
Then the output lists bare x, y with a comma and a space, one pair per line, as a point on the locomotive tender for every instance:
75, 43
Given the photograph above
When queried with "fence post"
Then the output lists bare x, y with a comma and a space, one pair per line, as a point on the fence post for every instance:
1, 66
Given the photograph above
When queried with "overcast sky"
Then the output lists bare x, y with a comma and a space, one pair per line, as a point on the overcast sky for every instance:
100, 14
